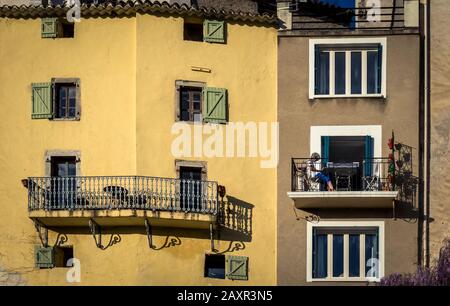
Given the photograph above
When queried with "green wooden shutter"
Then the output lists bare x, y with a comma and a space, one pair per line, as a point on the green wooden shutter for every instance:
41, 100
237, 267
44, 257
214, 31
215, 105
49, 27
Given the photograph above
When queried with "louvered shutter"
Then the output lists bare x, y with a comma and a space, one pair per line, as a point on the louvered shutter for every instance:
41, 100
215, 104
214, 31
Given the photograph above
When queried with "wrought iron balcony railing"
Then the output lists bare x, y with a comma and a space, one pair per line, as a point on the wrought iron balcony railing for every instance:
368, 175
122, 192
315, 15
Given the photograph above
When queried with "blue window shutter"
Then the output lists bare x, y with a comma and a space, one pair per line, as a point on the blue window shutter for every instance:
325, 150
380, 67
368, 156
316, 69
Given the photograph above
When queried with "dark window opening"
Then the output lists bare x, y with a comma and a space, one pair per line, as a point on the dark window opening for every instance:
193, 31
191, 104
62, 256
62, 166
67, 29
347, 149
345, 161
66, 100
191, 188
215, 266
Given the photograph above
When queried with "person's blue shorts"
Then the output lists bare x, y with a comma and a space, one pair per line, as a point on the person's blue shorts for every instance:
325, 179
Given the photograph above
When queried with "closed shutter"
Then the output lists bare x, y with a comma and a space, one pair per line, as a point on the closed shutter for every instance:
44, 257
214, 31
237, 267
215, 105
49, 27
368, 156
41, 100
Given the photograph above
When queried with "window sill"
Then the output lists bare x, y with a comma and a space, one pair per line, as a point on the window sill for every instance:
64, 119
345, 279
373, 96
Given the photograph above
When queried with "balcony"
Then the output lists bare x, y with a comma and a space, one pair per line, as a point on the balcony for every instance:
122, 201
356, 185
329, 15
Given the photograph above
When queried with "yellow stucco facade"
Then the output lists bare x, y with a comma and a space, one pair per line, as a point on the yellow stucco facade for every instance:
127, 69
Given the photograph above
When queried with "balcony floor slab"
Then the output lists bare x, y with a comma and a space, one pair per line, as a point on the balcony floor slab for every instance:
122, 218
343, 199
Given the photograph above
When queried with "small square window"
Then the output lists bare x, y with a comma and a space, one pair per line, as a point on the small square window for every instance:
215, 266
62, 256
193, 31
67, 30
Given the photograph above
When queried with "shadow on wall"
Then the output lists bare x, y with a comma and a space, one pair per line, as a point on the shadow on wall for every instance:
235, 220
234, 225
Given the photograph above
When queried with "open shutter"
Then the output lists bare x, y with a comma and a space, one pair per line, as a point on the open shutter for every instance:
237, 267
41, 100
368, 156
215, 105
44, 257
49, 27
214, 31
325, 150
379, 68
316, 69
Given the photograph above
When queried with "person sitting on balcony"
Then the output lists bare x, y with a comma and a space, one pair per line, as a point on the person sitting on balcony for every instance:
315, 157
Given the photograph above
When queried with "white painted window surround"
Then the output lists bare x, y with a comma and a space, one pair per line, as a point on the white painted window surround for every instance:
345, 224
345, 130
339, 42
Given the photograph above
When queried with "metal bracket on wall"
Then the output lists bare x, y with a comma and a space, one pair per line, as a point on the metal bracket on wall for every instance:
211, 236
148, 229
42, 232
97, 230
174, 241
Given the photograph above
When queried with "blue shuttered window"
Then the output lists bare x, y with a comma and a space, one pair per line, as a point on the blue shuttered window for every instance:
368, 156
325, 140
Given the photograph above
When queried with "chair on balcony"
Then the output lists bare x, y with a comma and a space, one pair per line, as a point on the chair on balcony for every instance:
372, 182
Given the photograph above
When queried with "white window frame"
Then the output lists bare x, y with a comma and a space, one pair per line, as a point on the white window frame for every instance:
345, 278
348, 41
316, 133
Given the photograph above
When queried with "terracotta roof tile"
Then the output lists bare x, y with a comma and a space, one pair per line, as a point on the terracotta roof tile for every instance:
131, 8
